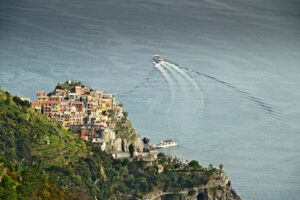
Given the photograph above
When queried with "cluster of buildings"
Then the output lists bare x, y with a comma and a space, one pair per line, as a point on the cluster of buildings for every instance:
89, 114
82, 110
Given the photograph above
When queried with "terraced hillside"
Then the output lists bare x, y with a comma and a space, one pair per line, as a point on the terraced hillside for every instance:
59, 149
29, 136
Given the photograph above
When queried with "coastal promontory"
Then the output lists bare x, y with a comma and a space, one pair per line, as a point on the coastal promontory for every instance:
78, 143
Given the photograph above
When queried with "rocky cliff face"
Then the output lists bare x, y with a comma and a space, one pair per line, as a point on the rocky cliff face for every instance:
125, 135
217, 188
122, 144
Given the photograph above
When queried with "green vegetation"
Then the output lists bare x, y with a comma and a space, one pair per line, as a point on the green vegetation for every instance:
123, 127
131, 150
68, 86
52, 161
146, 140
192, 192
221, 167
29, 136
19, 102
19, 182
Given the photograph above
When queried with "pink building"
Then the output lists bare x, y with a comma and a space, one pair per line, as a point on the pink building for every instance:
54, 98
65, 107
41, 93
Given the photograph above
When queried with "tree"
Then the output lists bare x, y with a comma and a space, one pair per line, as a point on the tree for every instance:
32, 180
131, 149
146, 140
192, 192
176, 166
59, 87
123, 145
194, 164
111, 113
20, 102
125, 114
221, 167
8, 188
7, 100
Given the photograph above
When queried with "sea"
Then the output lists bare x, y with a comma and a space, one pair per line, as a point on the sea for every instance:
228, 91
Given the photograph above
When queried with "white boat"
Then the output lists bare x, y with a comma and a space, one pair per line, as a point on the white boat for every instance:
166, 143
157, 59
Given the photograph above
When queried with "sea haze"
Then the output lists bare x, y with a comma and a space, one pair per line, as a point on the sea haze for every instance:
232, 97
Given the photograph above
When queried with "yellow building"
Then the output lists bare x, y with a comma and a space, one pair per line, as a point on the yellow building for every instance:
66, 120
76, 118
37, 106
55, 108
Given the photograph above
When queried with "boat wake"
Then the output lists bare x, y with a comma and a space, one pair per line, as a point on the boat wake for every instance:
266, 107
167, 77
173, 72
185, 79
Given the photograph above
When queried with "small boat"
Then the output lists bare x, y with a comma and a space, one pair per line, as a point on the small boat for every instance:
166, 143
157, 59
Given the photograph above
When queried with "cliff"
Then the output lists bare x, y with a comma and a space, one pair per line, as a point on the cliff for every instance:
125, 136
217, 188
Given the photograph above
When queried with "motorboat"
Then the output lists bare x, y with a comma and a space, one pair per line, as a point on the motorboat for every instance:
157, 59
166, 143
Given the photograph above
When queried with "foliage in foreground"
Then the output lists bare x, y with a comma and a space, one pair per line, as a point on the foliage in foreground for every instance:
18, 182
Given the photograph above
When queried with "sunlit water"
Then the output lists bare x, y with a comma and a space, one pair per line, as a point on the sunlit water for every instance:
228, 93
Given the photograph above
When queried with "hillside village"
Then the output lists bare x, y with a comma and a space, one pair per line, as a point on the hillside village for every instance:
94, 116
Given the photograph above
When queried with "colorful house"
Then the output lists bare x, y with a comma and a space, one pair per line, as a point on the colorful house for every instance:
37, 106
50, 107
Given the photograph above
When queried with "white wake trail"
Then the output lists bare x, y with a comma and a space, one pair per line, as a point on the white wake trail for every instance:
168, 79
183, 73
187, 77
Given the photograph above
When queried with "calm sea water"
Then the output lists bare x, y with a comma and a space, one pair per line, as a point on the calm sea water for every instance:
232, 98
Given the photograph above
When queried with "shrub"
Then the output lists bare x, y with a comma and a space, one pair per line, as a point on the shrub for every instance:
192, 192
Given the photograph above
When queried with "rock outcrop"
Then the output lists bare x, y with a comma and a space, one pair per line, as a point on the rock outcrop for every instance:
218, 188
122, 144
125, 135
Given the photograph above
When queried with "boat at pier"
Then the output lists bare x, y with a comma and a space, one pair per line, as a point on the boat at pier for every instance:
166, 143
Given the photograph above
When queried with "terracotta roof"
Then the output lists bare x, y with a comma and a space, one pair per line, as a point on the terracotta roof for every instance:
50, 102
35, 103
